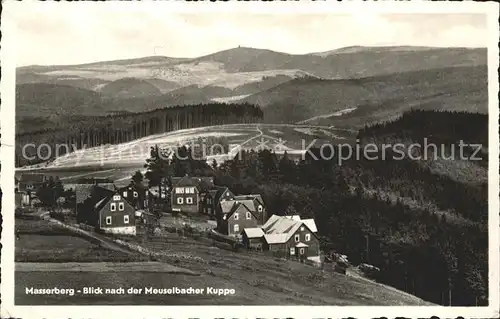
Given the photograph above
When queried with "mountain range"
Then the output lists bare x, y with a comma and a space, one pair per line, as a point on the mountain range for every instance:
364, 84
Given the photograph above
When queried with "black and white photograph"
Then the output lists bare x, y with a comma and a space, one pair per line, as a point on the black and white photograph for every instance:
165, 155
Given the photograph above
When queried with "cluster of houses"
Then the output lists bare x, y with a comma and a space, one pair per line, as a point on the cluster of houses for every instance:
26, 187
102, 205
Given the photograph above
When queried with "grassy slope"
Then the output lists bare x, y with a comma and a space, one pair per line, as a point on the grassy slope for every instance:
257, 280
41, 241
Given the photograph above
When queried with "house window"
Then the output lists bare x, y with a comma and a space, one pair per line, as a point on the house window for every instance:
189, 200
125, 194
308, 237
187, 190
179, 190
192, 190
145, 203
108, 220
121, 206
209, 201
297, 238
136, 195
302, 228
126, 219
302, 251
236, 228
236, 216
113, 207
180, 200
249, 216
116, 197
227, 194
260, 208
292, 251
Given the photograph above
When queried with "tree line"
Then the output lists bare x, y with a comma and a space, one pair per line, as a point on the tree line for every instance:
121, 128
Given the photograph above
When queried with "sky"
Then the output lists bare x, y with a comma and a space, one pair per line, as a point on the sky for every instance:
75, 34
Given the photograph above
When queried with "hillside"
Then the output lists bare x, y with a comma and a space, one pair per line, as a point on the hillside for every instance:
129, 88
71, 80
238, 66
36, 99
362, 62
423, 227
367, 100
163, 85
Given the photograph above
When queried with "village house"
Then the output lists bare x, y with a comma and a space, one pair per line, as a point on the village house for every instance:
139, 197
257, 204
188, 193
292, 238
213, 198
108, 211
26, 187
86, 186
253, 238
235, 217
31, 182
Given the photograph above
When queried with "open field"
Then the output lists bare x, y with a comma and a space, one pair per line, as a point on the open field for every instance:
184, 262
256, 279
42, 241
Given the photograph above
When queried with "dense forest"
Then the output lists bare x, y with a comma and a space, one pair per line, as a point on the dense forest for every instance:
121, 128
442, 258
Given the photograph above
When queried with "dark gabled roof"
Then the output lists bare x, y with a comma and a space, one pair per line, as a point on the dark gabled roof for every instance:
100, 204
94, 194
185, 181
256, 197
175, 180
220, 191
237, 205
213, 193
32, 178
204, 184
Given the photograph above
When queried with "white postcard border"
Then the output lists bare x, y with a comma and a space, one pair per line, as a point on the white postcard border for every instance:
7, 114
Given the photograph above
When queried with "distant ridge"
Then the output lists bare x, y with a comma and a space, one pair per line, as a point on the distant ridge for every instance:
246, 51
